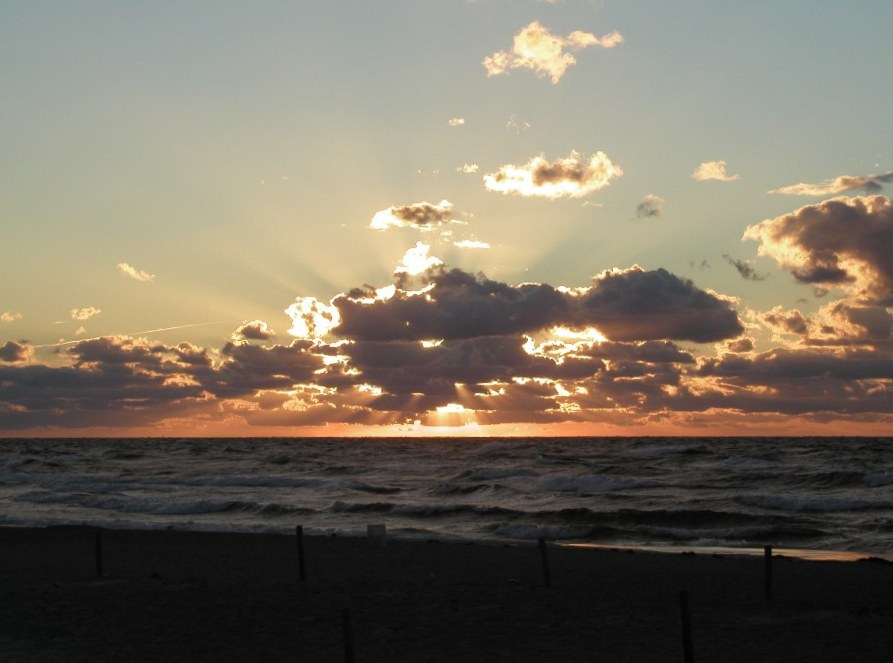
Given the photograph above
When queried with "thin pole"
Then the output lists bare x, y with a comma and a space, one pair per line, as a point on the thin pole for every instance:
97, 541
688, 653
547, 580
347, 627
299, 536
767, 568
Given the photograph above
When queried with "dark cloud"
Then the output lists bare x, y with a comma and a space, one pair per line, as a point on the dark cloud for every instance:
740, 345
571, 176
841, 242
650, 206
845, 323
12, 352
458, 305
254, 330
787, 322
630, 305
789, 364
421, 216
639, 305
744, 269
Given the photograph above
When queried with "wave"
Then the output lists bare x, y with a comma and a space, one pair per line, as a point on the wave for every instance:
589, 483
805, 503
155, 506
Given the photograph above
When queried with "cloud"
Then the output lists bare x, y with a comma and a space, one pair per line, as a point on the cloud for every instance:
650, 206
467, 168
416, 261
844, 323
786, 322
517, 125
713, 170
625, 305
254, 330
84, 313
639, 305
534, 47
843, 242
745, 269
867, 183
456, 121
9, 316
421, 216
134, 273
568, 177
12, 353
471, 244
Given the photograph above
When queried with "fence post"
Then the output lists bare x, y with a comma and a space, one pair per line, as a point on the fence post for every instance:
299, 536
688, 654
547, 580
767, 570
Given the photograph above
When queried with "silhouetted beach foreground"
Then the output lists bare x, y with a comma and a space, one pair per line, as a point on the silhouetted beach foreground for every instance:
185, 596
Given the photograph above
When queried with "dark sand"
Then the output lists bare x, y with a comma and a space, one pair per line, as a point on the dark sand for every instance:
180, 596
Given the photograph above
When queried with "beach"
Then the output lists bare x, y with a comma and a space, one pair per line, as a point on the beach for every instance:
199, 596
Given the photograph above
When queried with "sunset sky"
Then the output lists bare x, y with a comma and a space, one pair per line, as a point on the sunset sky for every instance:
573, 217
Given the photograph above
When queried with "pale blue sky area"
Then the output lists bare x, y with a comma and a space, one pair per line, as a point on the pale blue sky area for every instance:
238, 151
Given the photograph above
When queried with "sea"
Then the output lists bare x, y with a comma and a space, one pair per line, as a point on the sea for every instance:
818, 494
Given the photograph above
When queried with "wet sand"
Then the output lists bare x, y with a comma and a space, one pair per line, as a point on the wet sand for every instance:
185, 596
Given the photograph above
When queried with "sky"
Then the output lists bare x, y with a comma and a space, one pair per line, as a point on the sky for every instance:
449, 217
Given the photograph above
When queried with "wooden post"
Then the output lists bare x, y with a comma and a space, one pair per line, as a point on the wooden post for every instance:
547, 580
767, 570
347, 627
688, 654
299, 535
97, 541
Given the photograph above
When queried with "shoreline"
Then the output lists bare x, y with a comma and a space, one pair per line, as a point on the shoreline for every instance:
806, 554
201, 596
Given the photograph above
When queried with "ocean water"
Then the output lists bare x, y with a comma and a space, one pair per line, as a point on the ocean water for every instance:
821, 494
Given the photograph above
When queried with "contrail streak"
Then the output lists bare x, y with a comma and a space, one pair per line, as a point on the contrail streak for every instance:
147, 331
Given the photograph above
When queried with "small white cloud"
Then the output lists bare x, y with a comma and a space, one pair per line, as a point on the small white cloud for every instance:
517, 125
568, 177
534, 47
467, 168
80, 331
713, 170
471, 244
9, 316
456, 121
134, 273
84, 313
416, 260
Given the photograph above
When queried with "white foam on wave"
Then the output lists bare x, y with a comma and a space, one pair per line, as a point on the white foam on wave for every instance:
532, 532
128, 504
